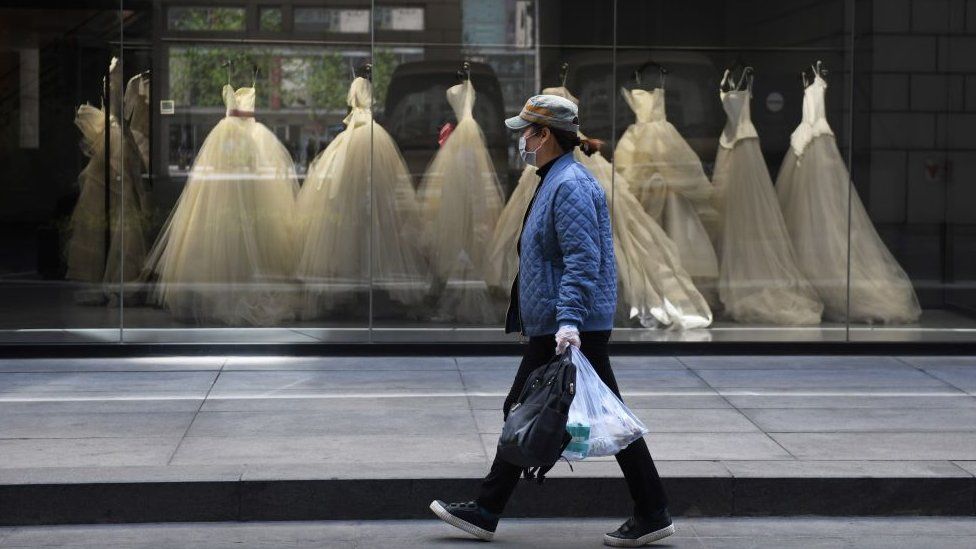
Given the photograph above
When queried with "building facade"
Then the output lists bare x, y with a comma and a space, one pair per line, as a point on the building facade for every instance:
776, 171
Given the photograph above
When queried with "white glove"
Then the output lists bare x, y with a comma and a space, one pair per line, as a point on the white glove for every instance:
566, 336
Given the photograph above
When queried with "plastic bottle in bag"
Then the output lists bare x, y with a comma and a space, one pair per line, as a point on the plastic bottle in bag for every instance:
600, 423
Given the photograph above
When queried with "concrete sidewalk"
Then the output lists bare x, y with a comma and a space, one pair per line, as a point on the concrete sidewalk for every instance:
701, 533
784, 423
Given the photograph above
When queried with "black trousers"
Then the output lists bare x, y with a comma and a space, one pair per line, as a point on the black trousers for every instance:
635, 460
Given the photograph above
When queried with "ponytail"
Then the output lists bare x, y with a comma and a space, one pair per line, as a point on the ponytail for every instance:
590, 145
568, 140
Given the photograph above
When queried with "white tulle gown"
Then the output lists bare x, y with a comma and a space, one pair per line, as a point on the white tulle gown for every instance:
502, 264
759, 281
667, 178
815, 192
336, 235
654, 287
461, 202
226, 255
127, 218
137, 113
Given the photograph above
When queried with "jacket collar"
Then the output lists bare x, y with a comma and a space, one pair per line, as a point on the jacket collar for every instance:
559, 164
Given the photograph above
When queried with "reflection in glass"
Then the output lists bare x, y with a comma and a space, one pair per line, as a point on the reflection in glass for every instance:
270, 19
302, 88
205, 18
398, 18
79, 220
461, 201
654, 289
136, 106
109, 223
336, 235
344, 20
226, 254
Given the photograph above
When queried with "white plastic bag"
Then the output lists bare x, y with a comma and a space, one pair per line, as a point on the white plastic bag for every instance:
600, 423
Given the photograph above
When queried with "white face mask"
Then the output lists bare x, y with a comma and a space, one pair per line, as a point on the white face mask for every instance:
527, 156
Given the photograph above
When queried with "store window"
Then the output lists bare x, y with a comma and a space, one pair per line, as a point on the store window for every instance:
271, 19
347, 21
399, 19
205, 18
302, 172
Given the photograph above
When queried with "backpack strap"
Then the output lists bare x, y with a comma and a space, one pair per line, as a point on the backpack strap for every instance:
539, 473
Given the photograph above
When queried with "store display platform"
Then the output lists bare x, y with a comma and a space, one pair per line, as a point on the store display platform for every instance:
44, 313
294, 438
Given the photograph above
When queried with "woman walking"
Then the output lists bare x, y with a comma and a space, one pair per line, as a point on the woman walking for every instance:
564, 294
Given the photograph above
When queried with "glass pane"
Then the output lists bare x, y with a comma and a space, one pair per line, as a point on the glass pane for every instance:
822, 207
472, 188
271, 19
914, 161
338, 20
390, 18
236, 127
445, 80
205, 18
61, 156
333, 206
705, 109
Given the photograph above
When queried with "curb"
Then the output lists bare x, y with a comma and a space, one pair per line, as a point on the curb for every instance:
386, 499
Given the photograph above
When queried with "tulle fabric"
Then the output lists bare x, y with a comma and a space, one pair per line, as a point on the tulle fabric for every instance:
759, 281
461, 202
127, 219
227, 252
137, 113
814, 191
334, 214
503, 260
667, 178
653, 288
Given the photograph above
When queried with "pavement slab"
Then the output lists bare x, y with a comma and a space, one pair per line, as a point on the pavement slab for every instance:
730, 435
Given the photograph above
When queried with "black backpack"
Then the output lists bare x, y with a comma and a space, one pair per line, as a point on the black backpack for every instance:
534, 434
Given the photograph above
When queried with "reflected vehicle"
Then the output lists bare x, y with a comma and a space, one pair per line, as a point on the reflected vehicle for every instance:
416, 109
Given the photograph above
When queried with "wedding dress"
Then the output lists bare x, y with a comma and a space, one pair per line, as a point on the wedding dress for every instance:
461, 202
667, 178
502, 263
227, 252
125, 223
340, 231
816, 195
759, 281
137, 113
654, 288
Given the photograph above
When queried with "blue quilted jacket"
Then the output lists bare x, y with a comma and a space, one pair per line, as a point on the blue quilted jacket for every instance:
567, 271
